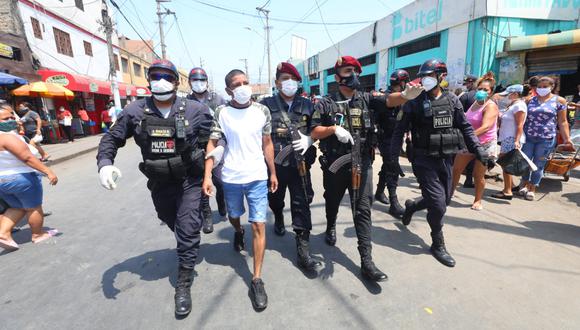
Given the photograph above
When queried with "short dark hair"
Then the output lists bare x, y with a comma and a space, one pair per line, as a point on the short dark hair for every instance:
26, 104
533, 81
230, 76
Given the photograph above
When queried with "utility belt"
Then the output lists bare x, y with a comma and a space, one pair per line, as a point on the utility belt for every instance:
174, 168
440, 144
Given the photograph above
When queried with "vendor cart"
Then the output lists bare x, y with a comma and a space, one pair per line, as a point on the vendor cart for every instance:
562, 161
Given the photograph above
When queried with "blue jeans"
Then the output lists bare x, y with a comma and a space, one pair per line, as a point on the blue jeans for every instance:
256, 194
538, 150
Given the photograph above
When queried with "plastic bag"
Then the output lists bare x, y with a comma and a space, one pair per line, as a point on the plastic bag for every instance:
516, 163
37, 138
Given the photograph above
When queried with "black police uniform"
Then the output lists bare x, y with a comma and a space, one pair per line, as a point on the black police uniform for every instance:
386, 119
212, 100
299, 114
328, 113
175, 175
439, 129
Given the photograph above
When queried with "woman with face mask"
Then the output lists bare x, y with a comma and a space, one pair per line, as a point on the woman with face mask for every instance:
546, 113
511, 131
482, 115
20, 185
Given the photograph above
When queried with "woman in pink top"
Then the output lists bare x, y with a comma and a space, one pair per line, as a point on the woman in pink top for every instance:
482, 115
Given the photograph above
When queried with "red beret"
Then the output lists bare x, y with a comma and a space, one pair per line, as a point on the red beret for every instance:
285, 67
348, 61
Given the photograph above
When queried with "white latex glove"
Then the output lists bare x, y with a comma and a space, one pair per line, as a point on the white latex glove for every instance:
412, 91
217, 154
343, 135
109, 175
303, 144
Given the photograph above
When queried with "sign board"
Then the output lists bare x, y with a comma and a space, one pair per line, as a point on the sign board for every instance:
141, 92
6, 51
58, 79
93, 87
565, 10
297, 48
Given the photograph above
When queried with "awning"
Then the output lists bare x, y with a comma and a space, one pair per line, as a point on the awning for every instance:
80, 83
10, 80
563, 38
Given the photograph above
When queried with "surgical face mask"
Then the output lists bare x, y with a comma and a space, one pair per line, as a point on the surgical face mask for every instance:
8, 125
199, 86
162, 90
428, 83
543, 91
351, 81
242, 94
289, 87
481, 96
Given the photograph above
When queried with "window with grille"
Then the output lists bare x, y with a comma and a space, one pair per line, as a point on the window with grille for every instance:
137, 69
62, 40
430, 42
88, 48
125, 65
116, 59
79, 4
367, 60
36, 28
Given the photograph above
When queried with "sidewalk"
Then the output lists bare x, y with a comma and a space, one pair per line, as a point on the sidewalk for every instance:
61, 152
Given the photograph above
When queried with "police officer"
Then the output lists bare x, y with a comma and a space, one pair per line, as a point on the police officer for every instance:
386, 120
198, 82
343, 122
291, 125
439, 129
167, 129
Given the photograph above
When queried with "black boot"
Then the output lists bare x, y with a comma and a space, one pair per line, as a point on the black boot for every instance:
279, 228
183, 291
330, 232
380, 193
221, 202
368, 268
408, 213
239, 240
207, 219
439, 251
305, 261
396, 210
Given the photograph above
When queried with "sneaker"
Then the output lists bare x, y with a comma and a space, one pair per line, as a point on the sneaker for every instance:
239, 241
523, 192
259, 297
530, 196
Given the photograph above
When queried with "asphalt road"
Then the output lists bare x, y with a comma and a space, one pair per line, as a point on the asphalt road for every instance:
114, 266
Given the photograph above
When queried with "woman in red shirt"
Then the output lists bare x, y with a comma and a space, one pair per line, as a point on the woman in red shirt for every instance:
65, 120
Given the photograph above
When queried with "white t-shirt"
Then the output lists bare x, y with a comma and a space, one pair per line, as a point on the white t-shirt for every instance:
508, 121
10, 165
164, 111
243, 130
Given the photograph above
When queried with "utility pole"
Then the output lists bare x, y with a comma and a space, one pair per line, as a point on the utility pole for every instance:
108, 28
267, 28
160, 15
245, 60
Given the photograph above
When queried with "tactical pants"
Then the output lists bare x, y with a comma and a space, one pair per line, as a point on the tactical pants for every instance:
435, 178
288, 177
219, 194
334, 187
177, 204
391, 180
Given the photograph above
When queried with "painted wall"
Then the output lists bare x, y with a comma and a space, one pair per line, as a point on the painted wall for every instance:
456, 50
96, 66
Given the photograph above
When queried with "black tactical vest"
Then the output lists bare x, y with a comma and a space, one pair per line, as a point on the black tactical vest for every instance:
433, 128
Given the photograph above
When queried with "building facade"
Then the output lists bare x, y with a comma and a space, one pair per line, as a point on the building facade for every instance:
468, 35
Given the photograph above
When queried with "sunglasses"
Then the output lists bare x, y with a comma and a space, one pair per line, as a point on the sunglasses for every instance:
158, 76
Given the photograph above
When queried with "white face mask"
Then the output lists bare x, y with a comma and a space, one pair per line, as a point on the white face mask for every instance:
428, 83
289, 87
199, 86
162, 90
543, 91
242, 94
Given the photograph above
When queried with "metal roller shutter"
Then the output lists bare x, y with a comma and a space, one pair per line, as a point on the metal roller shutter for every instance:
556, 61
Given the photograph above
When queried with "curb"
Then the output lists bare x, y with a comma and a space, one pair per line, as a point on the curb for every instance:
71, 156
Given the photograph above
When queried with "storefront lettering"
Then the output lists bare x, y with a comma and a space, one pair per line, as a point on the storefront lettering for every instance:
6, 51
58, 80
420, 20
93, 87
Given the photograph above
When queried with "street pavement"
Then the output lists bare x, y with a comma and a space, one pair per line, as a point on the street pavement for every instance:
114, 266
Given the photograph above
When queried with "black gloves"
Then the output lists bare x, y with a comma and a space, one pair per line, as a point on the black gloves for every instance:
482, 156
394, 168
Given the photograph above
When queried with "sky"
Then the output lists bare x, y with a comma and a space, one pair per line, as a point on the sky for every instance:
220, 38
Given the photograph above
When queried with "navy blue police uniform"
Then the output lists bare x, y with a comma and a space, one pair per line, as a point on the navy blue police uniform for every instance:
171, 162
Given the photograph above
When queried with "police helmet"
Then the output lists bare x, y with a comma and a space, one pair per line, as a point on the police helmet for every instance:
430, 66
399, 76
165, 65
197, 74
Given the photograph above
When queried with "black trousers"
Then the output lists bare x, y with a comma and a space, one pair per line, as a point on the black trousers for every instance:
288, 177
389, 179
219, 194
68, 132
177, 204
435, 178
335, 186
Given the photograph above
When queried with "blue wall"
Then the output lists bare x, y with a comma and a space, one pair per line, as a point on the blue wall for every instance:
486, 37
418, 58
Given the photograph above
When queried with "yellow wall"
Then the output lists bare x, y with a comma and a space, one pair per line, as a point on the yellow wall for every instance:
130, 75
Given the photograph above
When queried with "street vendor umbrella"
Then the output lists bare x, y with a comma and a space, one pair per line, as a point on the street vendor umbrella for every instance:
42, 89
10, 80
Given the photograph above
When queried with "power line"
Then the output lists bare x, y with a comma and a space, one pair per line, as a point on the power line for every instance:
306, 15
183, 40
285, 20
131, 25
139, 18
326, 29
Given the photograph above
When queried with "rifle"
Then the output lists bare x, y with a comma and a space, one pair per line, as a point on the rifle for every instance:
355, 160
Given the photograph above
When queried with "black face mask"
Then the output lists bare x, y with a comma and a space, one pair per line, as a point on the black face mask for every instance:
351, 81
